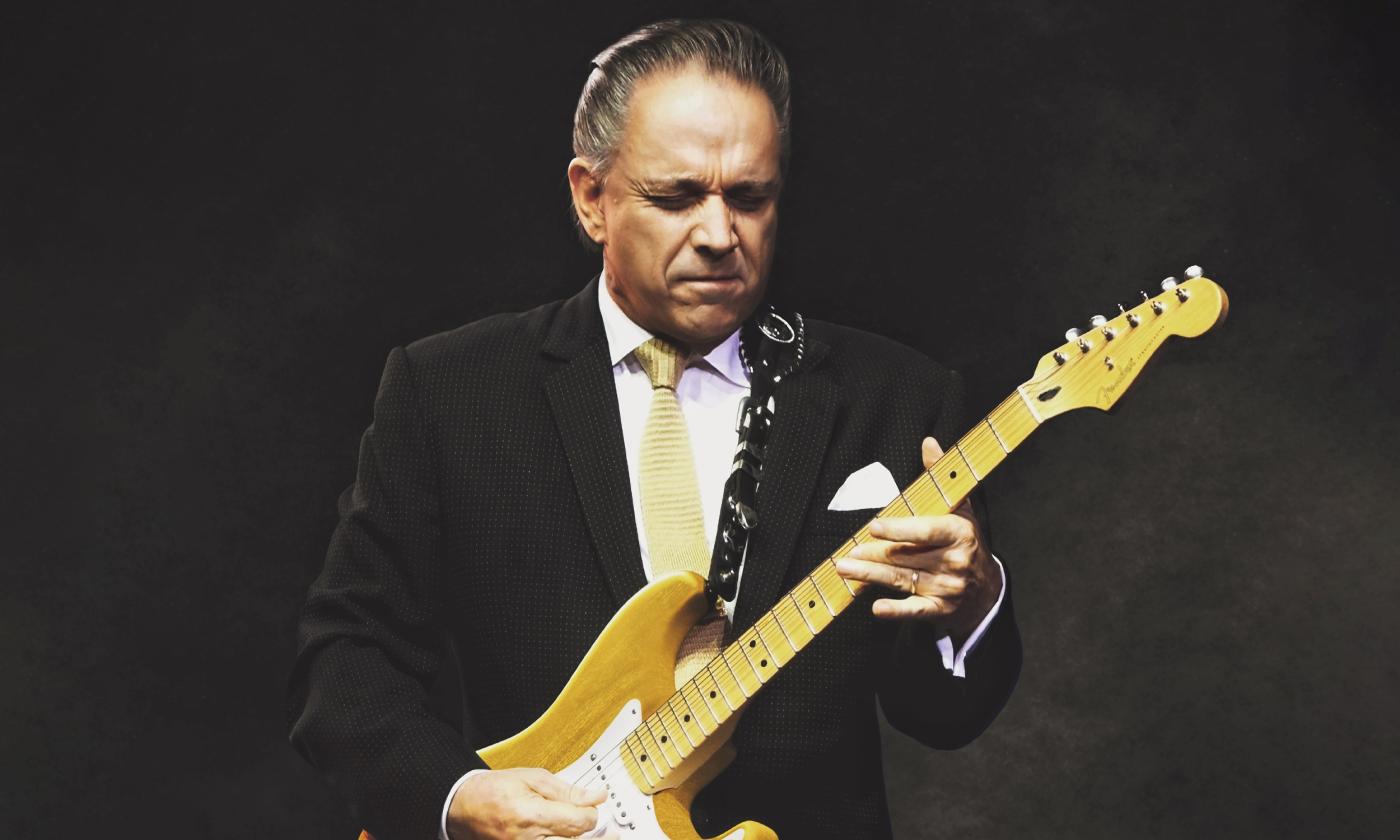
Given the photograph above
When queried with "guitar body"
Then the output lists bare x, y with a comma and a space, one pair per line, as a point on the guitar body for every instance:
631, 662
626, 675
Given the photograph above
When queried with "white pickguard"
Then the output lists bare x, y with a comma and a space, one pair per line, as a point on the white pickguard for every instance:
627, 811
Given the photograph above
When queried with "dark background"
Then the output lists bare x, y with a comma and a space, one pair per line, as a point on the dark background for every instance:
216, 222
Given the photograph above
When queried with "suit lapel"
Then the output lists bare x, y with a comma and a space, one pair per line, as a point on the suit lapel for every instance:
806, 411
583, 399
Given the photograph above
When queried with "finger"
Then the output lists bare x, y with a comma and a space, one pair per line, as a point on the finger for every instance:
895, 577
550, 817
550, 786
931, 452
922, 530
915, 606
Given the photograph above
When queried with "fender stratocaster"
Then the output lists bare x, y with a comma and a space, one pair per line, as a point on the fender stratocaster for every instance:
620, 722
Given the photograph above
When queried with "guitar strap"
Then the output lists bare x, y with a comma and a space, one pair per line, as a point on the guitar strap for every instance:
772, 346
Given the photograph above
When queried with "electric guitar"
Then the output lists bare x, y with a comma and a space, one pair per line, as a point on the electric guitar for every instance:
620, 723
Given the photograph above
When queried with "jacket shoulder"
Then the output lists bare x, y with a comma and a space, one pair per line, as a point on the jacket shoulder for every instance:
492, 338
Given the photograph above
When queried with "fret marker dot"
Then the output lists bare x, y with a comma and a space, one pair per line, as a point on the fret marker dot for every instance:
663, 739
763, 663
953, 474
712, 695
753, 643
687, 718
811, 604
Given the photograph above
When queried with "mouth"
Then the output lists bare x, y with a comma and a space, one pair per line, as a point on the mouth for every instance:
711, 278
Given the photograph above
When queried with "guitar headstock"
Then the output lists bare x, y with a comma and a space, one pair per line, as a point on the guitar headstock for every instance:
1094, 367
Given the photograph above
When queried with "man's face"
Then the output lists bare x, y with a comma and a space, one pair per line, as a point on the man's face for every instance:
688, 215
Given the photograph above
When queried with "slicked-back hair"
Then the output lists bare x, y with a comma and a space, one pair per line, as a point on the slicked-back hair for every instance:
720, 47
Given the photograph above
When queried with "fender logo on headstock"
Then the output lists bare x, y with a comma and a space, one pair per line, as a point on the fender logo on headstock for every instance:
1125, 372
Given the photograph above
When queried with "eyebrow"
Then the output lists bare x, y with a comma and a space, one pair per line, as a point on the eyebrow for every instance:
691, 183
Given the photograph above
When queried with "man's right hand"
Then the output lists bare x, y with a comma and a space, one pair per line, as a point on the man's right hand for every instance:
522, 804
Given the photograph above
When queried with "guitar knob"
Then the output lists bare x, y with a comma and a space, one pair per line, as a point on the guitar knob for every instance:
1097, 321
1192, 272
1169, 284
1072, 333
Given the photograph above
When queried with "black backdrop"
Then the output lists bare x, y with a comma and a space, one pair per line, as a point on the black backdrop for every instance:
216, 222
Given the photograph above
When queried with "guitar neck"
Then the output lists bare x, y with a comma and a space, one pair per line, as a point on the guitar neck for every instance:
725, 684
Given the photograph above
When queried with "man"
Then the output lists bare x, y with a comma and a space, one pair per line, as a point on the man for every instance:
503, 506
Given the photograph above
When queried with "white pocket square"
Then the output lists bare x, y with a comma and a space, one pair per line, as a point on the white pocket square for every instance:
871, 486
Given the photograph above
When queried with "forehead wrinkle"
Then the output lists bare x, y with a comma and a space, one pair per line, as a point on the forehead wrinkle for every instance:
697, 183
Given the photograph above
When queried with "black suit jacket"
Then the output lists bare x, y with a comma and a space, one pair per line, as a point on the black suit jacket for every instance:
491, 514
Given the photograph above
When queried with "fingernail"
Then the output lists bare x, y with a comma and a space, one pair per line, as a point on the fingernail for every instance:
844, 566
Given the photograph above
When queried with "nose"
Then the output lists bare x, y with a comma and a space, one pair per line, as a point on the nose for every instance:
714, 228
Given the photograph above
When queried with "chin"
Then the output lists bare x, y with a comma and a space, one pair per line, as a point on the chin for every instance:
713, 324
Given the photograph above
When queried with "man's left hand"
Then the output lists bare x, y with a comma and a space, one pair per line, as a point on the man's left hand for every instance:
939, 563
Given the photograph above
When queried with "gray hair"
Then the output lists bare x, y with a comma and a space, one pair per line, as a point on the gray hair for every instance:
721, 47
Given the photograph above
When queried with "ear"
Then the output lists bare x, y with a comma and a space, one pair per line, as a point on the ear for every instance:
588, 199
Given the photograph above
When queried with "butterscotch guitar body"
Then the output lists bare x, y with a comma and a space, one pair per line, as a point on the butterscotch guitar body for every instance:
628, 673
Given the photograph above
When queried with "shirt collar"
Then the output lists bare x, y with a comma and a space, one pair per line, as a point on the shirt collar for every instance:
624, 336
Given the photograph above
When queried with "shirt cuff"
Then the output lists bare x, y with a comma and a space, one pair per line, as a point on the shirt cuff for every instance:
442, 824
954, 660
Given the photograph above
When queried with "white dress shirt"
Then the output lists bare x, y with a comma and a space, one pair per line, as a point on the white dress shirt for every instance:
709, 393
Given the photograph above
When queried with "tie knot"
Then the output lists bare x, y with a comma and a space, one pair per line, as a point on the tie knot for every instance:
663, 362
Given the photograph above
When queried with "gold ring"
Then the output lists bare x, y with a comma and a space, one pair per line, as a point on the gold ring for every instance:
914, 584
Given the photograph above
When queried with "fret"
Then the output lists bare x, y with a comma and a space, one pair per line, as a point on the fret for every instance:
993, 429
686, 725
691, 707
832, 587
719, 705
953, 477
661, 733
982, 450
802, 614
1016, 420
814, 609
947, 505
651, 751
639, 765
655, 738
728, 682
772, 616
744, 674
760, 658
976, 476
770, 642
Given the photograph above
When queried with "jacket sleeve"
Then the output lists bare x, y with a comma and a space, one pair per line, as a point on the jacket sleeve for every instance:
368, 646
919, 696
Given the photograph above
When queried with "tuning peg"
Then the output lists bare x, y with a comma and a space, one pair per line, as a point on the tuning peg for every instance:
1169, 284
1097, 321
1072, 333
1192, 272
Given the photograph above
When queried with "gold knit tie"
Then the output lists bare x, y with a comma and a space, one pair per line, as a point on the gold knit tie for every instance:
670, 491
671, 511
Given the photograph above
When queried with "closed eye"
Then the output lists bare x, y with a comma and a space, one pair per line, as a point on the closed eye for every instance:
747, 201
671, 202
